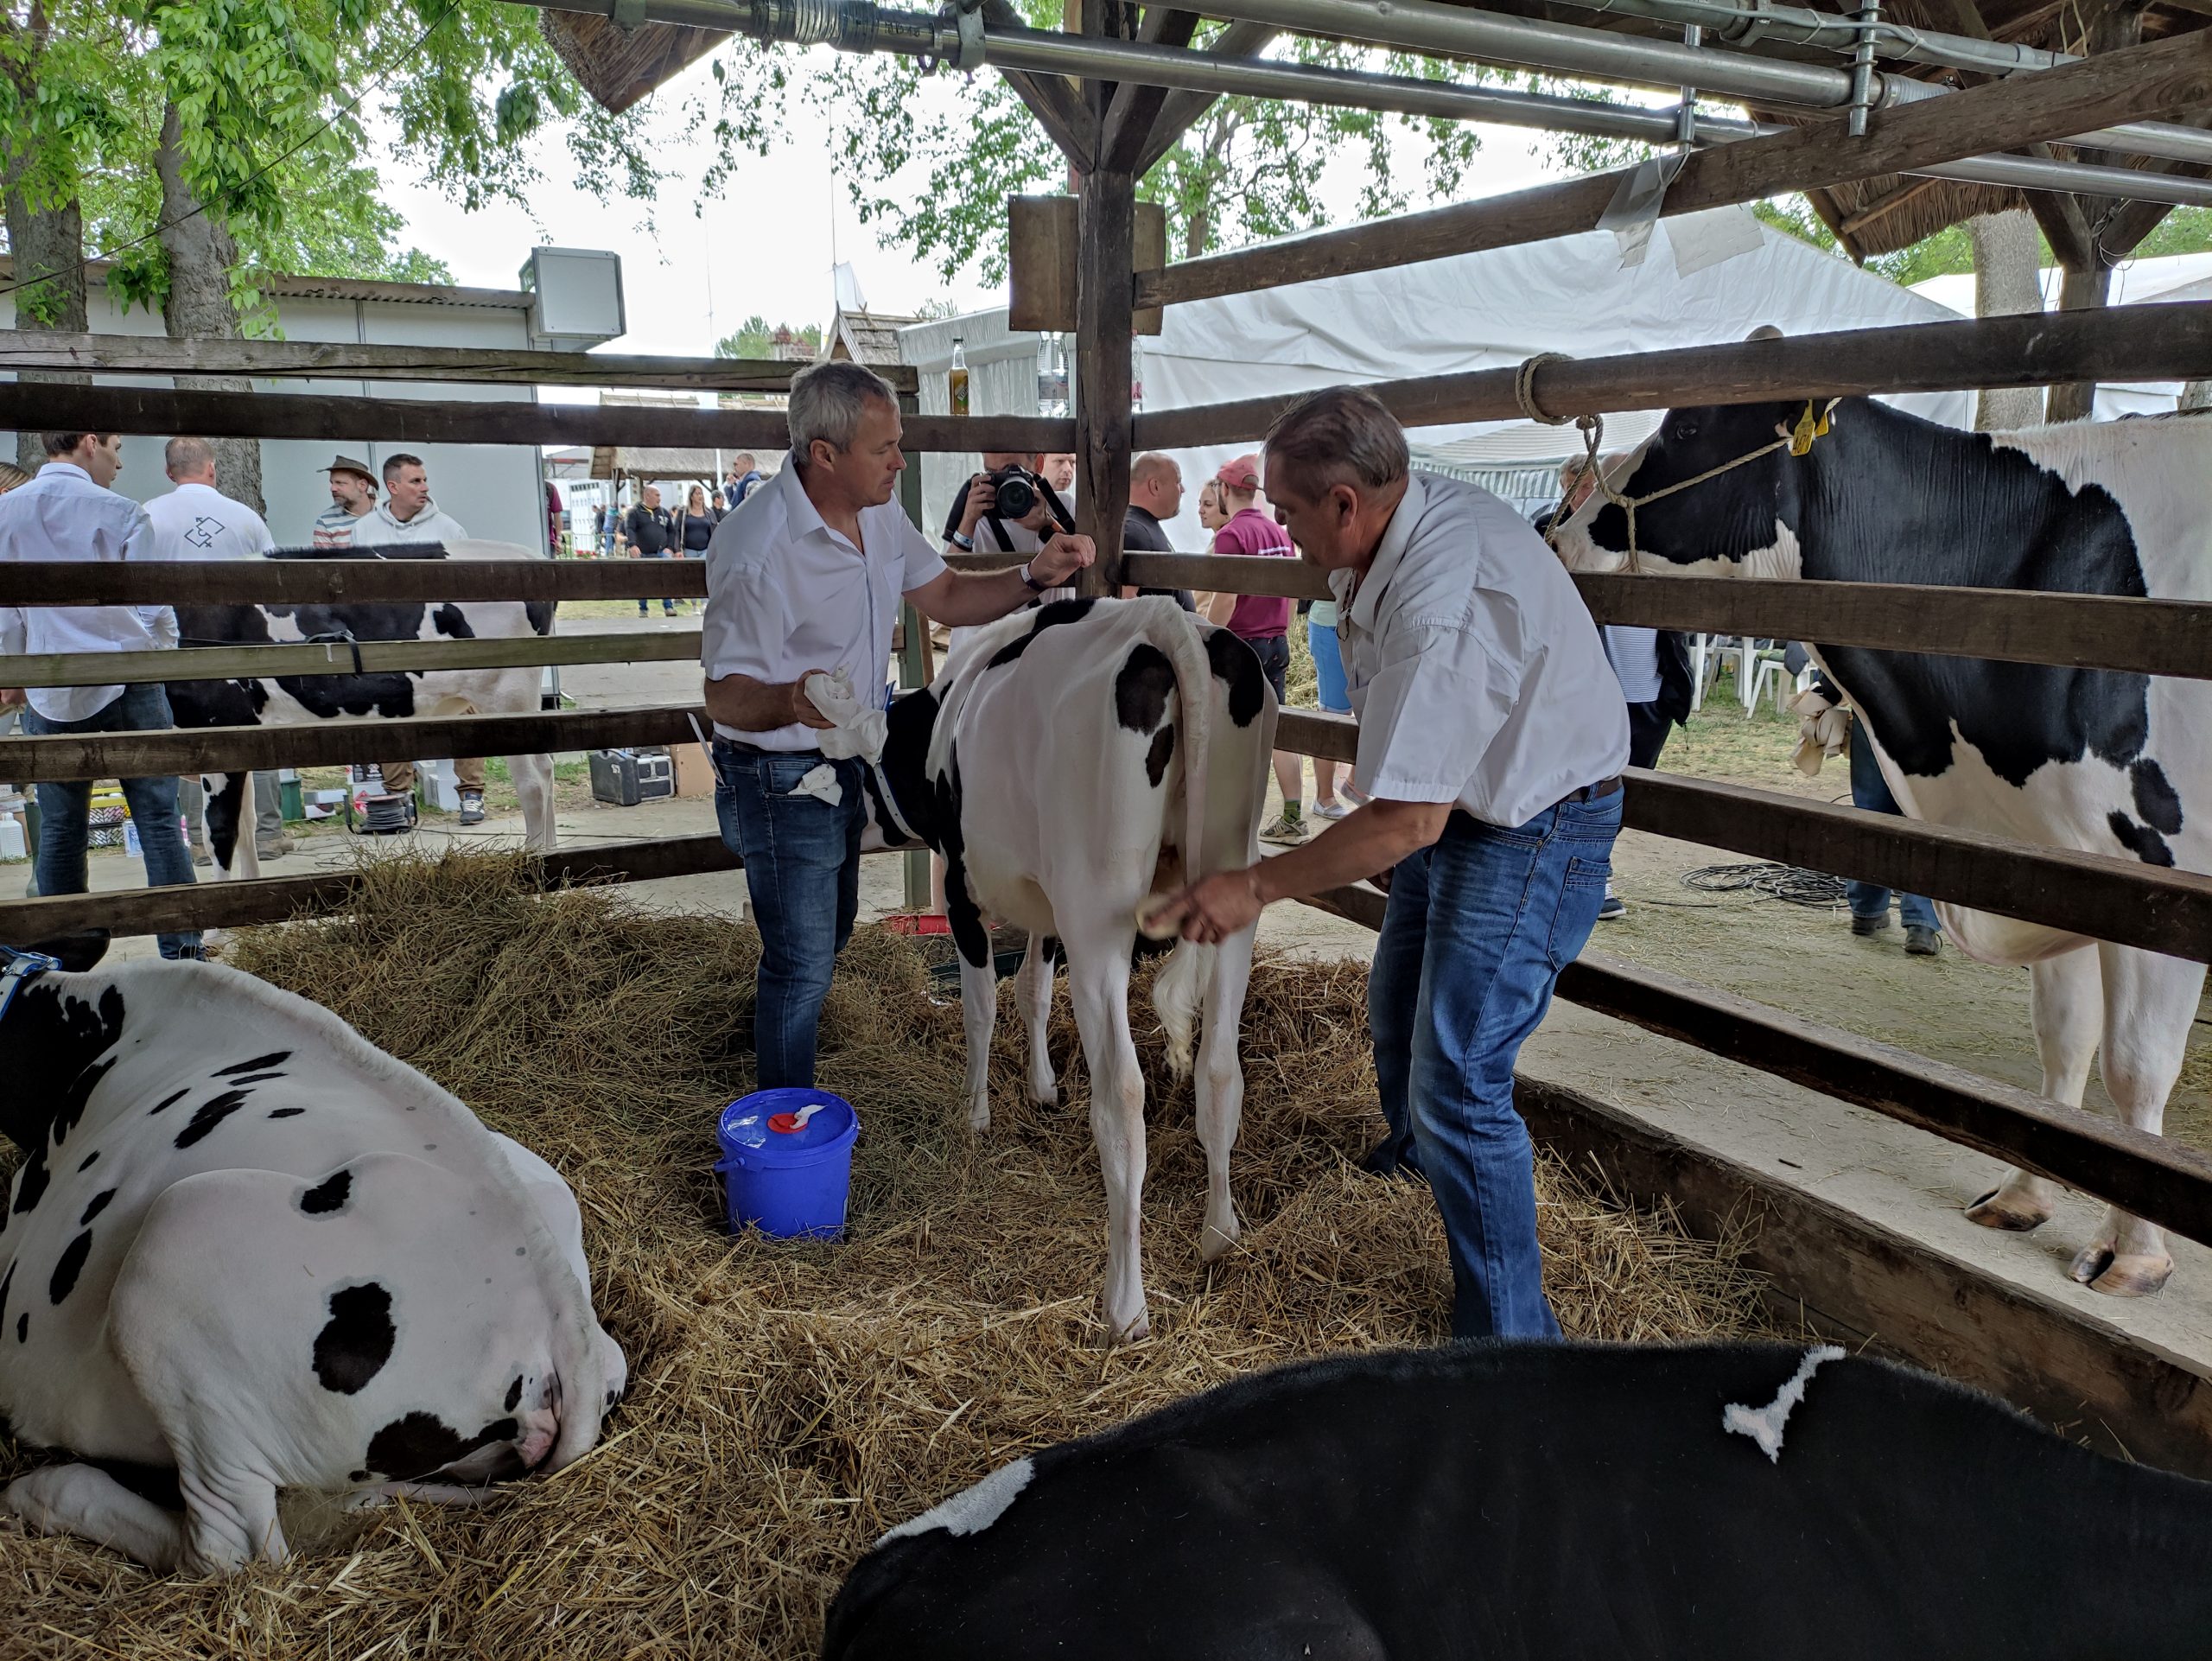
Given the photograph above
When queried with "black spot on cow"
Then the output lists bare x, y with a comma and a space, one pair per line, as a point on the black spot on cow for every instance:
89, 1158
2156, 799
329, 1195
514, 1393
6, 1280
964, 916
448, 621
418, 1443
539, 613
357, 1340
100, 1203
168, 1102
54, 1050
211, 1114
212, 703
910, 724
1142, 688
359, 1476
287, 1112
259, 1063
1051, 616
23, 1327
1156, 758
68, 1266
259, 1078
31, 1182
1237, 666
2140, 840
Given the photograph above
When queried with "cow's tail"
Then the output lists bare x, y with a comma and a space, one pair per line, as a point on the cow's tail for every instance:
1180, 985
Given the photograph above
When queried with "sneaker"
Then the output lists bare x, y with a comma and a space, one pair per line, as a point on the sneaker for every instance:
472, 807
1612, 909
1285, 830
1330, 810
201, 856
1873, 925
276, 849
1922, 941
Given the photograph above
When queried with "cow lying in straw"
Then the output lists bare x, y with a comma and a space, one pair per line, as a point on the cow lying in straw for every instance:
1731, 1503
1071, 762
250, 1251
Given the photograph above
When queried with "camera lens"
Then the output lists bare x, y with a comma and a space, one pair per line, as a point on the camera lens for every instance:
1017, 496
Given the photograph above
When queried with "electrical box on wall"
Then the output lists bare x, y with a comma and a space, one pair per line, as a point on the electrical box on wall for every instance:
575, 297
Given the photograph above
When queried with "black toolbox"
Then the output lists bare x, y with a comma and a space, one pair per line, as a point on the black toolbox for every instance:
625, 778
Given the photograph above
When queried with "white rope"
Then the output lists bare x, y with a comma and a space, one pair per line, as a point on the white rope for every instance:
1524, 387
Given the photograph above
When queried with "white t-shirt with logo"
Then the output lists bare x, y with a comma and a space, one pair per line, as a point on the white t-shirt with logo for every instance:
199, 522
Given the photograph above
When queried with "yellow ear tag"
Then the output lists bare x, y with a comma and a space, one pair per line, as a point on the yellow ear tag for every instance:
1810, 425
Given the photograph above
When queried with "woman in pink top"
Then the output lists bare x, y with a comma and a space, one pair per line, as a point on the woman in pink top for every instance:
1261, 622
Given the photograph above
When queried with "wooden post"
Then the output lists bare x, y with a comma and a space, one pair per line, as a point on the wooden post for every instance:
1105, 364
912, 654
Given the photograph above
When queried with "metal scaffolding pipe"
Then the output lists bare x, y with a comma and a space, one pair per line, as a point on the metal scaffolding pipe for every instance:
1743, 26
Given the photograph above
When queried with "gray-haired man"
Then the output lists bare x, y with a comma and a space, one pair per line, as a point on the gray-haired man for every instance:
808, 579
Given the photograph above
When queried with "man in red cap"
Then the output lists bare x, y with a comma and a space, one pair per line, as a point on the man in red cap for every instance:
1261, 622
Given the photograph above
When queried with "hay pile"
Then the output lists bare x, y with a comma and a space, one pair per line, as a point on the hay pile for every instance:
790, 1402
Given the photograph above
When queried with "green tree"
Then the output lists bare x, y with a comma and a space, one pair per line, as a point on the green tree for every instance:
756, 337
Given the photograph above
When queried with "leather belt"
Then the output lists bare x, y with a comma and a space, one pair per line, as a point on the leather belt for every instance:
1596, 792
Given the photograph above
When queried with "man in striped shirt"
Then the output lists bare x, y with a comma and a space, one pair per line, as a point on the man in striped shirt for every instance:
352, 497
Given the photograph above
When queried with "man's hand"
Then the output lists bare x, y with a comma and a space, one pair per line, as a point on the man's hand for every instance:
799, 708
1061, 559
983, 497
10, 696
1214, 907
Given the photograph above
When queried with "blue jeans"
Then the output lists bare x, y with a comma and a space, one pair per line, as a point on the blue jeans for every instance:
65, 810
803, 869
1871, 791
667, 604
1478, 927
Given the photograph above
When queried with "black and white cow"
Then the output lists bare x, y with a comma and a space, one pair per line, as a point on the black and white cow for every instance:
247, 1251
390, 695
1071, 762
2090, 759
1530, 1502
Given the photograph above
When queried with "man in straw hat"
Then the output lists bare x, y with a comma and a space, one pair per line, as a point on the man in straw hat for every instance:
1491, 740
352, 497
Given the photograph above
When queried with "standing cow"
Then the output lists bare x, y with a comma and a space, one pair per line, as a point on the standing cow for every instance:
1074, 761
2102, 761
248, 1250
1534, 1502
389, 694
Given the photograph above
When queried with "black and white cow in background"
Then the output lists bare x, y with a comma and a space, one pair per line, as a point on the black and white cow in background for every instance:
2090, 758
390, 695
1067, 764
250, 1251
1536, 1502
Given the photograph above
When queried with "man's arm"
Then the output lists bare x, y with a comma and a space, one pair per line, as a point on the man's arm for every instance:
1371, 839
760, 706
964, 599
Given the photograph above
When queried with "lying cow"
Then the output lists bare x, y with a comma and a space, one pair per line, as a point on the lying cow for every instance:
250, 1251
1064, 786
1499, 1500
389, 694
2090, 759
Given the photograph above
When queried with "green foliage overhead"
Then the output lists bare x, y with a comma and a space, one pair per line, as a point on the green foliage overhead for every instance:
756, 338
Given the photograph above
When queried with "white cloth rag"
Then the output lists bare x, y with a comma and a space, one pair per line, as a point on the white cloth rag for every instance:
861, 728
820, 781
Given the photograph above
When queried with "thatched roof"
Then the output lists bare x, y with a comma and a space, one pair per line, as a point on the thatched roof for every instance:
618, 66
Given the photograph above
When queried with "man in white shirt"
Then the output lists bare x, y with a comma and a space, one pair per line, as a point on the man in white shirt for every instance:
193, 522
68, 513
1492, 738
807, 580
408, 515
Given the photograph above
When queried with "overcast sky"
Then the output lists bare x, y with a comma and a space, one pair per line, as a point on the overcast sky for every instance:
766, 246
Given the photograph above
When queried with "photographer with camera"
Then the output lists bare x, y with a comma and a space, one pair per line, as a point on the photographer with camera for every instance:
1007, 508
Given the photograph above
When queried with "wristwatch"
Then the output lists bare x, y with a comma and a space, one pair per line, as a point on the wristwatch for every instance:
1029, 581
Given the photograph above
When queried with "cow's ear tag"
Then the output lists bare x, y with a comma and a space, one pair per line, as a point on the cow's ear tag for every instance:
1810, 425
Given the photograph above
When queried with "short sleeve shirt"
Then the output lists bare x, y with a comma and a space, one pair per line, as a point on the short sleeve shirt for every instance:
195, 522
1475, 671
787, 594
1250, 532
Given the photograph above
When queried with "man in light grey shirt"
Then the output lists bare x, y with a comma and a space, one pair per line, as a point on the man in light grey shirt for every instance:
1491, 740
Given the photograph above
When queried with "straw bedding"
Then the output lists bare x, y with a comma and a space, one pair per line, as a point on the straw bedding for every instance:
789, 1403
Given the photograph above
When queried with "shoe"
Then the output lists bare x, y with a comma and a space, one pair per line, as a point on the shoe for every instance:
1612, 909
1285, 830
1873, 925
201, 856
1391, 1157
1922, 941
276, 849
1330, 810
472, 807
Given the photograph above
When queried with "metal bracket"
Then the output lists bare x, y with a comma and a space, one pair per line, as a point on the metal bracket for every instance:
968, 18
1686, 112
1869, 18
1747, 29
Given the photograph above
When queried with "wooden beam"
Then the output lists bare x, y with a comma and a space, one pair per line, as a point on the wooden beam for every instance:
2076, 98
156, 354
1882, 207
2088, 895
1135, 108
2152, 342
1180, 111
1067, 121
309, 581
399, 421
1105, 366
375, 657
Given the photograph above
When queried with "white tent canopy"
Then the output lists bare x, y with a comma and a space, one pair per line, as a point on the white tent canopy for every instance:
1492, 311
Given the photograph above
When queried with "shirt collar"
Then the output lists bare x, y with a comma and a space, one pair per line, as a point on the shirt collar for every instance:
1360, 611
805, 519
67, 470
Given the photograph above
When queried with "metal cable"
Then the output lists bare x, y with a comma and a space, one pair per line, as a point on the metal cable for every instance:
1790, 884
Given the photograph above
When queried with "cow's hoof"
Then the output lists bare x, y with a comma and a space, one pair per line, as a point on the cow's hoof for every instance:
2127, 1274
979, 1115
1997, 1209
1045, 1095
1214, 1241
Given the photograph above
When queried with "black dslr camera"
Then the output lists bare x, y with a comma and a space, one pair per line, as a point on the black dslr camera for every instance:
1019, 493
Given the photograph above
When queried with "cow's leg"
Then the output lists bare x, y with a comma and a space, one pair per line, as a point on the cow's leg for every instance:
1221, 1085
2066, 996
1032, 991
86, 1501
533, 781
979, 990
2149, 1003
1098, 985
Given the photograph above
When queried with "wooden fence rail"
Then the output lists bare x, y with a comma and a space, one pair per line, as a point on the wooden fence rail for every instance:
309, 581
339, 658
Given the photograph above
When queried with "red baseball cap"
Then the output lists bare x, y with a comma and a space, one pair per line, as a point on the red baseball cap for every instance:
1243, 474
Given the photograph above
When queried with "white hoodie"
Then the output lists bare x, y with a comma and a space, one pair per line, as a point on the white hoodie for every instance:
431, 525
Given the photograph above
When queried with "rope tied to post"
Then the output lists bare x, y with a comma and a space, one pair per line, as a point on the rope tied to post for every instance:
1592, 427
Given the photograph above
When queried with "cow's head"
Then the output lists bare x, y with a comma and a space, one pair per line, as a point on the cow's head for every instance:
913, 719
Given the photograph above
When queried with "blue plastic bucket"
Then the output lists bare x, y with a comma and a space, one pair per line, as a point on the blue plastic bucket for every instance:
784, 1177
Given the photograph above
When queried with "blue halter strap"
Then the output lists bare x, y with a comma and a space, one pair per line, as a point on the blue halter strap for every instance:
16, 968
